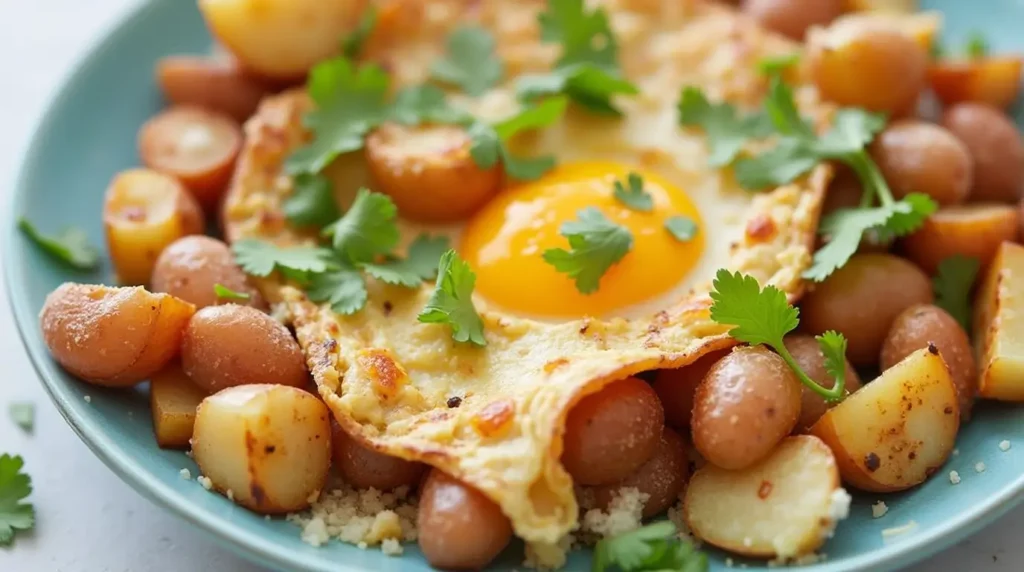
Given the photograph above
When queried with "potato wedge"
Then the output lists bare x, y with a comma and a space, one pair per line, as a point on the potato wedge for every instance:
173, 399
268, 447
991, 80
974, 230
999, 326
897, 430
923, 27
114, 337
143, 212
784, 506
217, 85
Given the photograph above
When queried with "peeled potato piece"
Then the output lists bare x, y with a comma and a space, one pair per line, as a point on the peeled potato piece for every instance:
212, 84
115, 337
143, 212
173, 400
995, 80
268, 447
785, 506
999, 326
897, 430
974, 230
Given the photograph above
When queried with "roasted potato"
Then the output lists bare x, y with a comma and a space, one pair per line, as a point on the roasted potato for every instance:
173, 400
268, 447
191, 266
676, 388
785, 506
889, 6
793, 17
993, 80
143, 212
996, 147
999, 326
974, 230
459, 527
428, 171
923, 27
920, 157
114, 337
661, 478
217, 85
807, 353
897, 430
364, 468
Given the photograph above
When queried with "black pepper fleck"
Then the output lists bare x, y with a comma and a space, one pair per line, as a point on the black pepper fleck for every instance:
932, 348
872, 462
387, 308
269, 449
454, 402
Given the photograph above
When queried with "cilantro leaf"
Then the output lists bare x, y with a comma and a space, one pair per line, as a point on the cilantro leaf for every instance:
23, 413
977, 45
852, 129
596, 244
526, 168
634, 197
765, 316
779, 165
367, 230
15, 486
953, 284
350, 101
342, 287
683, 228
652, 547
726, 129
586, 37
352, 44
70, 247
771, 65
452, 301
485, 147
311, 203
532, 117
226, 293
470, 61
420, 264
488, 143
425, 104
260, 258
588, 85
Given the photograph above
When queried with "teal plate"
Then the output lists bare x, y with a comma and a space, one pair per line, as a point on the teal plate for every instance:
89, 134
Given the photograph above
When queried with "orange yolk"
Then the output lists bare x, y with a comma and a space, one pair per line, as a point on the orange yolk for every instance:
505, 241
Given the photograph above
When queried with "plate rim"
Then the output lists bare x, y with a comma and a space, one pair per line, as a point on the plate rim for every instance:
250, 545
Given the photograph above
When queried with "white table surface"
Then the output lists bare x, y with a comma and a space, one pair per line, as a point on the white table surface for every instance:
87, 519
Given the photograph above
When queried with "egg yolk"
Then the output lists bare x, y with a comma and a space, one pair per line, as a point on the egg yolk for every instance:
505, 241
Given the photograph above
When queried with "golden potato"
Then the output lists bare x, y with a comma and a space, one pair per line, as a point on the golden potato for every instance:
807, 353
785, 506
992, 80
115, 337
897, 430
428, 171
999, 326
217, 85
922, 27
266, 446
974, 230
173, 400
890, 6
920, 157
281, 39
997, 148
661, 478
143, 212
793, 17
191, 266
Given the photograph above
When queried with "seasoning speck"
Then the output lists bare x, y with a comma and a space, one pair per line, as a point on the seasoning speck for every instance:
954, 477
1004, 445
879, 509
205, 482
454, 402
185, 474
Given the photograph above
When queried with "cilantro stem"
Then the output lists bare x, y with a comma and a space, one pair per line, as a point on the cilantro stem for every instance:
831, 395
871, 178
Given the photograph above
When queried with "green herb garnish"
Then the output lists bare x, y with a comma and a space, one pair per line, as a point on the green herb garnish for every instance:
470, 61
977, 46
595, 245
352, 45
311, 203
683, 228
727, 130
452, 301
15, 486
634, 196
489, 142
367, 230
419, 264
953, 284
342, 286
70, 247
23, 413
261, 258
222, 291
772, 65
655, 547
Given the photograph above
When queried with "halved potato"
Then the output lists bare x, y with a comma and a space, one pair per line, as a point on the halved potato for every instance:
268, 447
784, 506
974, 230
999, 326
897, 430
923, 27
173, 399
213, 84
992, 80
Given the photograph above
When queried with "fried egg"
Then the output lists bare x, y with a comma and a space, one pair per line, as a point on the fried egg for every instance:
388, 378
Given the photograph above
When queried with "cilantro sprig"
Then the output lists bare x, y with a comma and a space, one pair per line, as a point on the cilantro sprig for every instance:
632, 194
23, 413
595, 245
953, 283
225, 293
764, 316
311, 203
682, 228
419, 264
652, 547
352, 44
469, 61
70, 247
726, 128
452, 302
490, 142
15, 487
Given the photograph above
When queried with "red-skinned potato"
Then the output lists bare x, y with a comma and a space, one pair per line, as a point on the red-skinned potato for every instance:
996, 147
364, 468
217, 85
192, 266
992, 80
793, 17
807, 353
676, 388
661, 478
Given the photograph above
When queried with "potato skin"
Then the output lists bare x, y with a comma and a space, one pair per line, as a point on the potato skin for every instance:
748, 402
996, 147
807, 353
269, 445
662, 477
190, 267
676, 388
230, 345
428, 171
114, 337
861, 299
793, 17
998, 323
364, 468
923, 325
916, 156
974, 230
217, 85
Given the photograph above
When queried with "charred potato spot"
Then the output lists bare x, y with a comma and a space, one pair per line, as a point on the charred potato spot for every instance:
387, 375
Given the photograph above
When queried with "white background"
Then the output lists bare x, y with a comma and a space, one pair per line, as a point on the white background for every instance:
88, 521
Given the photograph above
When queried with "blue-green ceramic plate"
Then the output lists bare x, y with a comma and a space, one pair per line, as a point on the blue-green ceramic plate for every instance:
89, 134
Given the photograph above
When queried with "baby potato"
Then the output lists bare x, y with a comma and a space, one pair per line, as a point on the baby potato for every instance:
807, 353
785, 506
999, 326
793, 17
923, 325
974, 230
897, 430
916, 156
996, 147
611, 433
676, 388
190, 267
859, 63
217, 85
114, 337
861, 299
281, 39
173, 400
428, 171
747, 403
143, 212
231, 345
993, 81
844, 192
459, 527
268, 447
364, 468
195, 145
661, 478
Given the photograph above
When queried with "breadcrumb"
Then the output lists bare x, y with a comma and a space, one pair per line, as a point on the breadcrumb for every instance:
185, 474
879, 509
362, 517
979, 467
1004, 445
231, 495
624, 514
205, 482
391, 547
954, 477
